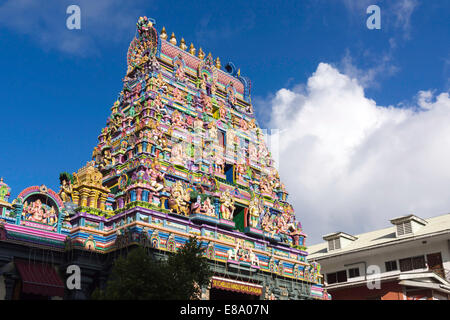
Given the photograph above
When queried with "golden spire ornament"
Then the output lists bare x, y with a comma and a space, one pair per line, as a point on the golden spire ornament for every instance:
183, 45
201, 54
192, 49
218, 65
163, 33
173, 40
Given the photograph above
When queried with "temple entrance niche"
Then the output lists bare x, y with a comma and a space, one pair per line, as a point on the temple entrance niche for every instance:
40, 208
239, 216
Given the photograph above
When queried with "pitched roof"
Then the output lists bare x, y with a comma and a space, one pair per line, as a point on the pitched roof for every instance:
386, 236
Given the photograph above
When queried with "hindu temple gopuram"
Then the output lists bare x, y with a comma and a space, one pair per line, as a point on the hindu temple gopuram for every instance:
181, 155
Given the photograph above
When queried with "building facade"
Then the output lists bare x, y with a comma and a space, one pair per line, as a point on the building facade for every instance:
181, 155
409, 260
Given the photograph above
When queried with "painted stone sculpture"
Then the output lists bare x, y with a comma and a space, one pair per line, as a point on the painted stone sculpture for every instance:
227, 206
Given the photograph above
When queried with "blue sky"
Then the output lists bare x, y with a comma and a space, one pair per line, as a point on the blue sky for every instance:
58, 85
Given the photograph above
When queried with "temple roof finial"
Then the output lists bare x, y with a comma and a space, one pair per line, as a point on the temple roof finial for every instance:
163, 33
218, 65
183, 45
173, 40
201, 54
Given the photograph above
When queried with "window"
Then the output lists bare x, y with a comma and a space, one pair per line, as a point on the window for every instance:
413, 263
340, 276
334, 244
405, 264
404, 228
391, 265
418, 262
331, 278
353, 273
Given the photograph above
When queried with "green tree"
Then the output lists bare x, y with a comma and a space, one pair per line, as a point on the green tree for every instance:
139, 276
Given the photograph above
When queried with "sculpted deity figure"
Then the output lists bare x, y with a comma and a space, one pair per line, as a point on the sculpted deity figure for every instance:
254, 209
212, 131
240, 170
179, 74
177, 119
265, 186
156, 177
282, 223
219, 163
155, 134
206, 101
107, 159
267, 223
159, 82
207, 208
153, 65
274, 180
178, 95
227, 206
230, 95
35, 211
116, 122
222, 110
158, 105
177, 154
52, 218
179, 200
66, 190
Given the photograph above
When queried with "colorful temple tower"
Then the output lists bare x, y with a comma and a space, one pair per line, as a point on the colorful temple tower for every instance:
181, 155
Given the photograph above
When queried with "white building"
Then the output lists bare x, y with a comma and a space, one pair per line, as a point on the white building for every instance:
408, 260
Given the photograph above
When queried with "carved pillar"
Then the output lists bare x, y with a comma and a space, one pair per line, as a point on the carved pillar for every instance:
139, 194
103, 197
75, 197
84, 194
93, 198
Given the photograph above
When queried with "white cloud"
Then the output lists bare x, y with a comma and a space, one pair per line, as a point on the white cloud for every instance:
351, 165
402, 11
382, 67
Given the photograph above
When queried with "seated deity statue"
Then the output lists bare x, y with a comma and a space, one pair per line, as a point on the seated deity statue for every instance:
265, 186
156, 177
207, 208
179, 199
